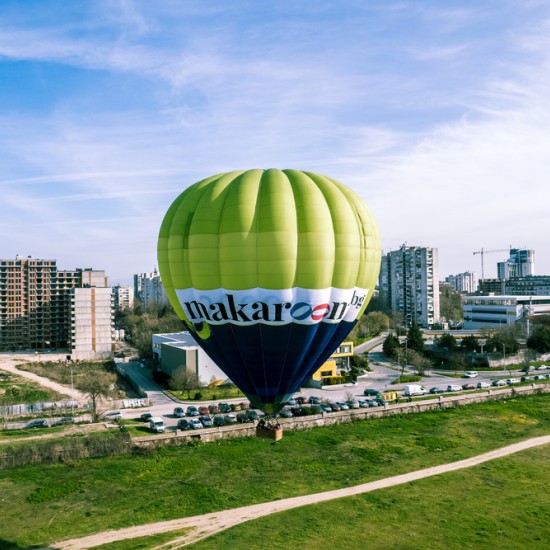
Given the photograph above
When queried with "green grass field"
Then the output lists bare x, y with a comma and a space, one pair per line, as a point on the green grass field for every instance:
16, 390
41, 504
502, 504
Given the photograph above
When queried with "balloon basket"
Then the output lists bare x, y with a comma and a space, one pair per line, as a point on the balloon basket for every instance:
273, 433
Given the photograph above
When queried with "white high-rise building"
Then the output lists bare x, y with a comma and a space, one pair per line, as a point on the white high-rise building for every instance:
409, 284
123, 297
463, 282
521, 263
92, 329
148, 289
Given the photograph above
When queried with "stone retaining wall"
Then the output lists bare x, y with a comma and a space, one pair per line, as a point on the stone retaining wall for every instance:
340, 417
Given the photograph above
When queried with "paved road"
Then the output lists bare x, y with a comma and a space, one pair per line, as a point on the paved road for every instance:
206, 525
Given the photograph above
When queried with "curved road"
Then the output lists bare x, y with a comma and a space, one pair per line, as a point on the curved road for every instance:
206, 525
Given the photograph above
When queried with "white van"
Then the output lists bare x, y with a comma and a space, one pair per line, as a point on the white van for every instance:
452, 387
156, 425
414, 389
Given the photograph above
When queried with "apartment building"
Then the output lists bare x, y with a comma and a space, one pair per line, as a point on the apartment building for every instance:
463, 282
123, 297
36, 304
148, 289
409, 284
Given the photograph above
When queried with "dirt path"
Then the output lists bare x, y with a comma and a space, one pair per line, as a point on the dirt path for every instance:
9, 363
206, 525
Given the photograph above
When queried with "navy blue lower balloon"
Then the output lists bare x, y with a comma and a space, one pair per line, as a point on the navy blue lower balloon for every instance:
270, 363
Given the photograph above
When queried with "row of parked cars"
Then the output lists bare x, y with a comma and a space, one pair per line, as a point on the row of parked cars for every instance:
42, 423
485, 385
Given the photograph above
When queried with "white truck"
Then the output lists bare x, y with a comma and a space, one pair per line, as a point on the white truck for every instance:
413, 389
156, 425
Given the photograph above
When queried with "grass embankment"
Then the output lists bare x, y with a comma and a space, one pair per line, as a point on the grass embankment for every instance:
217, 393
48, 503
66, 373
15, 390
501, 504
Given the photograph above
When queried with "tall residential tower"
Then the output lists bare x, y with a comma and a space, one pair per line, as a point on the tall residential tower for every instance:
409, 284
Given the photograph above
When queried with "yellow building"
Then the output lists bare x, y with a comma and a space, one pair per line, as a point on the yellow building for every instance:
339, 360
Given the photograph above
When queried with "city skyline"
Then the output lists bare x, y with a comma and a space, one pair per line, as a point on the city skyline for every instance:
437, 116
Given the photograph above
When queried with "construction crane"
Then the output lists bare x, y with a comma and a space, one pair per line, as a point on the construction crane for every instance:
483, 251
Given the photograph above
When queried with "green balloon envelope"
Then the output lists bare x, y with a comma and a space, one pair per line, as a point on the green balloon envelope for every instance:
269, 270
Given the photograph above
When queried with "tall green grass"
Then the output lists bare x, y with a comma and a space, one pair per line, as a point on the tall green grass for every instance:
183, 481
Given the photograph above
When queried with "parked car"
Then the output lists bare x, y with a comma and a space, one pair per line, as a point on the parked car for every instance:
372, 402
179, 412
252, 414
195, 424
156, 424
183, 424
437, 389
371, 391
512, 381
235, 407
468, 386
243, 417
203, 409
63, 421
352, 404
206, 421
454, 387
112, 415
300, 400
230, 419
245, 405
38, 423
471, 374
342, 405
335, 407
219, 421
316, 409
145, 417
498, 383
414, 389
483, 385
224, 407
192, 411
381, 401
326, 407
314, 400
363, 403
292, 401
285, 413
213, 409
540, 377
542, 367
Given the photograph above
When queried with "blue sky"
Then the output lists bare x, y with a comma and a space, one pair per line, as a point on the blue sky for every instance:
436, 113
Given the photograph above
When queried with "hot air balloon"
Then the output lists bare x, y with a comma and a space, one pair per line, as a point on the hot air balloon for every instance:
269, 270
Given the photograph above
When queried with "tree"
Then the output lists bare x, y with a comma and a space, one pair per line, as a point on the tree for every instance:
504, 341
96, 386
182, 380
391, 345
470, 343
447, 341
540, 339
375, 322
450, 303
420, 363
415, 341
140, 325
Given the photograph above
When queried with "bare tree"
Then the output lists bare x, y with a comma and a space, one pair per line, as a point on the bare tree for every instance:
96, 386
183, 380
